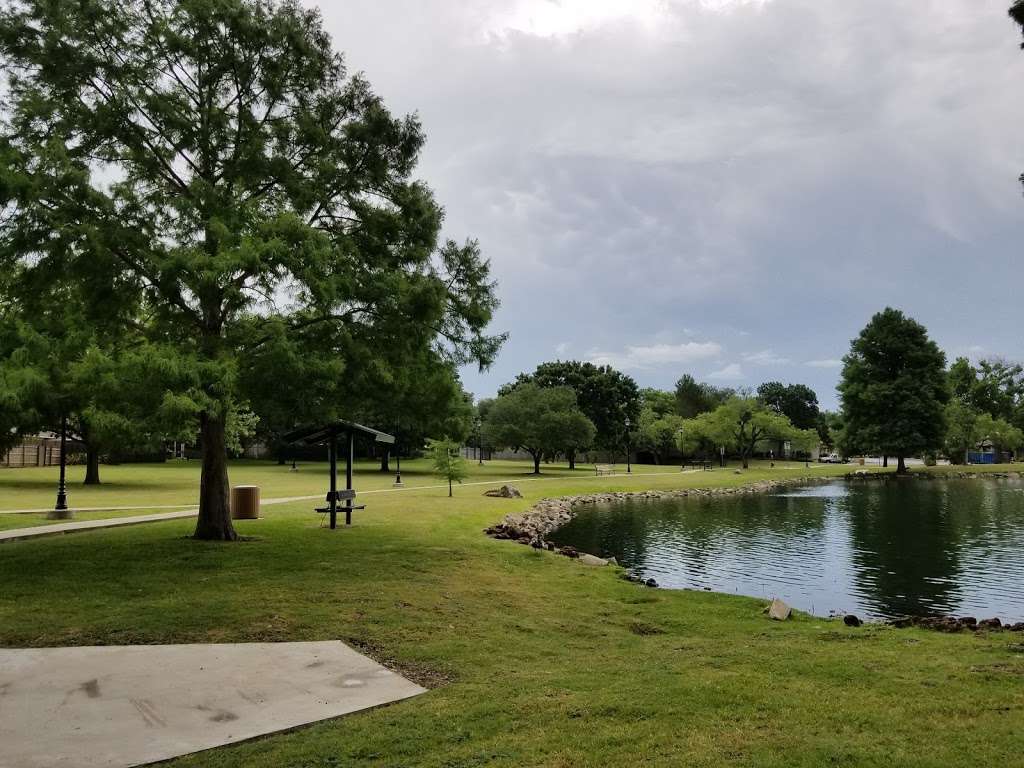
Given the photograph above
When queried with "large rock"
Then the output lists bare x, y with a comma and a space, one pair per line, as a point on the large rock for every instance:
505, 492
592, 560
779, 611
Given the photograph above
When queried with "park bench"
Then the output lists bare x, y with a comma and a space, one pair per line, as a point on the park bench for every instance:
604, 469
345, 495
703, 465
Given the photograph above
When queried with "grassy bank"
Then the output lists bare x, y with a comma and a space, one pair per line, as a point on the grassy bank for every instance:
533, 658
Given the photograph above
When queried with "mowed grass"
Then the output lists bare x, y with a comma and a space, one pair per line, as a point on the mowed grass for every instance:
533, 659
176, 483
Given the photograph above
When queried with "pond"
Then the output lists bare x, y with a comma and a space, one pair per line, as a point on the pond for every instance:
877, 549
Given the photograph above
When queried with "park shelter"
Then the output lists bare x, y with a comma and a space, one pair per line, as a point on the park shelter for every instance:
329, 435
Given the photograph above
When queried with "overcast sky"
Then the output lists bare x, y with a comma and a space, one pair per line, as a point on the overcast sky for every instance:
728, 188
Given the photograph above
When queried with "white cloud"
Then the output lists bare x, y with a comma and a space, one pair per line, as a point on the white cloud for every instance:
766, 357
562, 348
658, 354
731, 372
824, 364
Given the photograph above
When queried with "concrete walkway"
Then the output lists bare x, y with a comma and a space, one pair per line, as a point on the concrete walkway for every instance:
119, 706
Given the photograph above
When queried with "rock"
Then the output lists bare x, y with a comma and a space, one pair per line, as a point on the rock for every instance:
993, 623
968, 621
651, 583
1018, 627
505, 492
851, 621
612, 561
592, 560
779, 611
569, 552
737, 471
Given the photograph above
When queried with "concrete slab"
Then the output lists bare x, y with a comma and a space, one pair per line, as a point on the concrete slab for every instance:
120, 706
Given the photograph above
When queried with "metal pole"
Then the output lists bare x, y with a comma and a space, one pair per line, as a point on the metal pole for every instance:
61, 507
333, 453
348, 476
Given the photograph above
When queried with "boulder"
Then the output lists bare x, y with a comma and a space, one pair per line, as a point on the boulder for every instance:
990, 623
505, 492
592, 560
851, 621
779, 611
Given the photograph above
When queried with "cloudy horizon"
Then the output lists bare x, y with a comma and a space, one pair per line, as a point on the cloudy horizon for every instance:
726, 188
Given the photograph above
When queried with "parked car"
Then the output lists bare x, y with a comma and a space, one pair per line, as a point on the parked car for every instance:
831, 458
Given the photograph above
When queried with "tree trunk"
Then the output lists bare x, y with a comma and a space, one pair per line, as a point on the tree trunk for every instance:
536, 463
746, 463
385, 461
449, 487
572, 459
901, 466
885, 460
214, 523
92, 466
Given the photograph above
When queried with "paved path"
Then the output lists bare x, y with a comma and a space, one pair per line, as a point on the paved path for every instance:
119, 706
73, 526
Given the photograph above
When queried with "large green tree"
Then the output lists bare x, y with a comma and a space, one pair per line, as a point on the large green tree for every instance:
211, 175
797, 402
543, 421
694, 398
658, 427
608, 397
894, 388
742, 425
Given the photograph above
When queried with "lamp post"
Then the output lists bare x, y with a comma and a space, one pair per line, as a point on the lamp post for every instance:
682, 458
479, 442
398, 461
60, 509
721, 455
629, 466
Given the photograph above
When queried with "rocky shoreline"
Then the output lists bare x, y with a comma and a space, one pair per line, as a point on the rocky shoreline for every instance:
865, 474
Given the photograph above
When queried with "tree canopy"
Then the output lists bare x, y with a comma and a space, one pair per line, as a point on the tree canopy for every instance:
742, 424
894, 388
544, 421
658, 427
213, 179
797, 402
606, 396
694, 398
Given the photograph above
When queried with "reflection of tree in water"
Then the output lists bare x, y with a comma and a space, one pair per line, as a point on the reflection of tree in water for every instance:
903, 547
906, 544
693, 532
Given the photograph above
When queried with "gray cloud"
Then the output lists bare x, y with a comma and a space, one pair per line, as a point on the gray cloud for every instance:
787, 167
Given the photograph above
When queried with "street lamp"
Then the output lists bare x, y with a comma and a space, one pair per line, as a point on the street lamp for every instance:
397, 459
479, 443
629, 467
60, 509
682, 457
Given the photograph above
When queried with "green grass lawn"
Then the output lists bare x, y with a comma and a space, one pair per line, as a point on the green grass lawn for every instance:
533, 659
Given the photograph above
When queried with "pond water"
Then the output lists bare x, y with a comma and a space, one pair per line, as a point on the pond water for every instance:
878, 549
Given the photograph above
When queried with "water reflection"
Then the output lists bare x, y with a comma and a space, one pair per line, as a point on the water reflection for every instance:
883, 550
